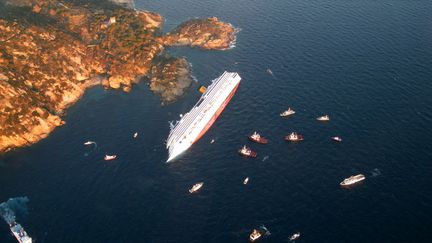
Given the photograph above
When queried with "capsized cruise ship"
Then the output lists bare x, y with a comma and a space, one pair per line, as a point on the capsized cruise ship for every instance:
194, 124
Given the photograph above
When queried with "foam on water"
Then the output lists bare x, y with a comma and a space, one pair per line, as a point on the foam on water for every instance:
12, 206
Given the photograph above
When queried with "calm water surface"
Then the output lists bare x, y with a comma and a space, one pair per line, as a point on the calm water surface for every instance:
368, 64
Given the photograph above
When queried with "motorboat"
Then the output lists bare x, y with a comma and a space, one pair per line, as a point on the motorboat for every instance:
19, 233
246, 180
323, 118
337, 139
89, 143
258, 233
295, 236
212, 141
255, 235
247, 152
294, 137
135, 135
270, 71
288, 112
353, 180
110, 157
256, 137
196, 187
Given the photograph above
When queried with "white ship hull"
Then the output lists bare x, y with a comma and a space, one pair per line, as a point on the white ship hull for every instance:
199, 119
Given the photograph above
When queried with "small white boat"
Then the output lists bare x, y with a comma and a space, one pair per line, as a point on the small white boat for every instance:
246, 180
294, 137
255, 235
196, 187
270, 71
110, 157
337, 139
353, 180
288, 112
19, 233
135, 135
323, 118
89, 142
295, 236
212, 141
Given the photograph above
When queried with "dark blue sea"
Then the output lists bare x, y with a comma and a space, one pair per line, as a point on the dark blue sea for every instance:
365, 63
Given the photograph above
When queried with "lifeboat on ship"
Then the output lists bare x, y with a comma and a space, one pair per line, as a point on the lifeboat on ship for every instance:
256, 137
294, 137
247, 152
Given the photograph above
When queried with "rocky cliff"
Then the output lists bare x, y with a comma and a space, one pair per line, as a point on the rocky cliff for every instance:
51, 51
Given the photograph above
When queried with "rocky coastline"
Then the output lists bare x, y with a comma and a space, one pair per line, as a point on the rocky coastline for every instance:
51, 51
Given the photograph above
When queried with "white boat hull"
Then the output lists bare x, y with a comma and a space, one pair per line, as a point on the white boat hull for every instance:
203, 115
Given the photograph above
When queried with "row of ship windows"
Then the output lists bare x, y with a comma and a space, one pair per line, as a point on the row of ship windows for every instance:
185, 123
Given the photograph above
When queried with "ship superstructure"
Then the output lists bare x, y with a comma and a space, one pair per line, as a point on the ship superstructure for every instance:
199, 119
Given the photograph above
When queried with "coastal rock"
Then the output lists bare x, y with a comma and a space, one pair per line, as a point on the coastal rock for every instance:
151, 20
170, 77
210, 34
57, 49
124, 3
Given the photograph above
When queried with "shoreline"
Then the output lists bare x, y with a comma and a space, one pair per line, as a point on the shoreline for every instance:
39, 87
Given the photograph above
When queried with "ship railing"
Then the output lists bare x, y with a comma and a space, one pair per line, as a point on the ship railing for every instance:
188, 116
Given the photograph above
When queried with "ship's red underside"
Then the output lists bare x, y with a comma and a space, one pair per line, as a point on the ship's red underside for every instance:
216, 115
261, 140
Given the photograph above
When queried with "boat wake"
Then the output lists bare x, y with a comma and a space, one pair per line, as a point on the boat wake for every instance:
266, 231
265, 158
92, 144
375, 172
8, 208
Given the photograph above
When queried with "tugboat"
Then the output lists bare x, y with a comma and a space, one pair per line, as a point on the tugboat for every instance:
19, 233
294, 236
337, 139
255, 235
352, 180
247, 152
256, 137
294, 137
196, 187
288, 112
323, 118
110, 157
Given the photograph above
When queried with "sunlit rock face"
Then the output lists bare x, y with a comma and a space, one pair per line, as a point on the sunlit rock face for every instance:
51, 51
124, 3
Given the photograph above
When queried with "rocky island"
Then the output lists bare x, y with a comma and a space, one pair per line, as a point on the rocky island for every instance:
51, 51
